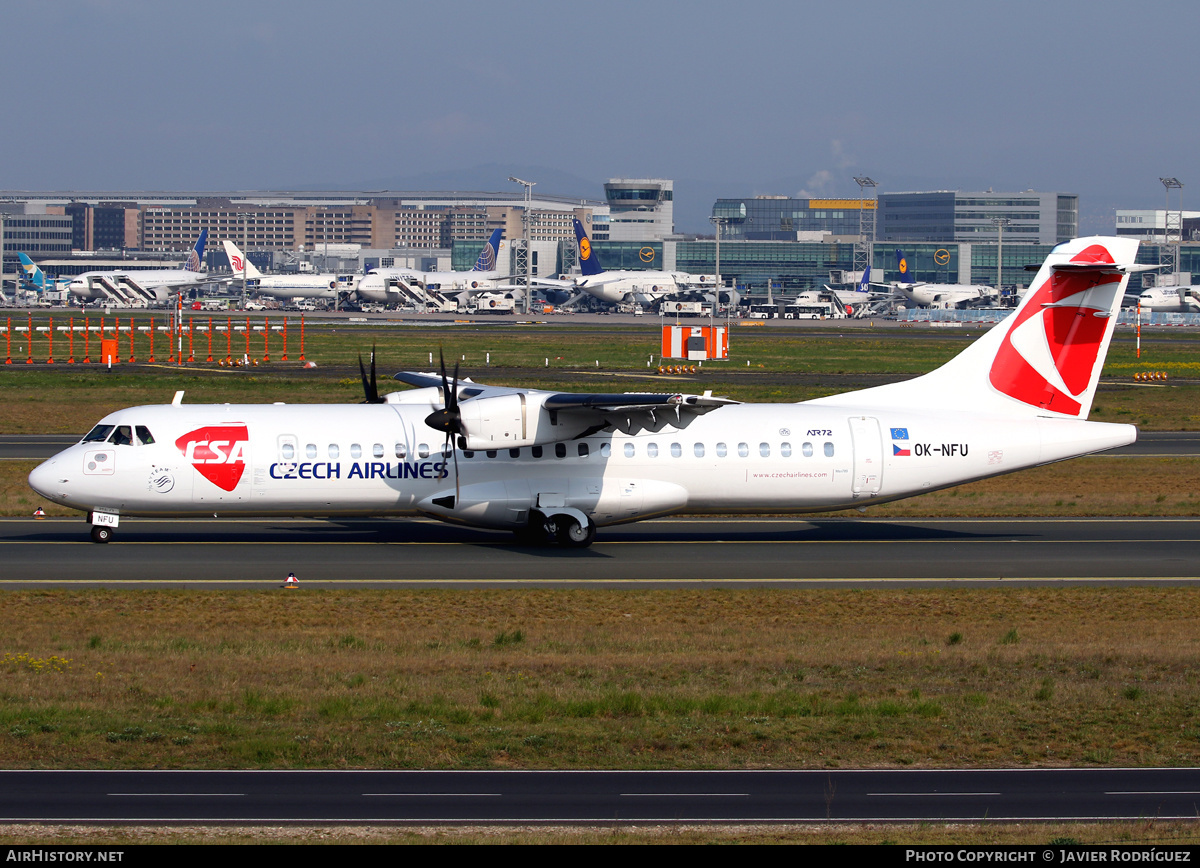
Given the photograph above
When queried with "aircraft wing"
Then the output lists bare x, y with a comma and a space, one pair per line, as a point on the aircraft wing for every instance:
626, 411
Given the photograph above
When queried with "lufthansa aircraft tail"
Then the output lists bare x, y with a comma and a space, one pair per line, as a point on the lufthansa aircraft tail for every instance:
488, 256
195, 260
238, 261
1044, 359
902, 265
588, 262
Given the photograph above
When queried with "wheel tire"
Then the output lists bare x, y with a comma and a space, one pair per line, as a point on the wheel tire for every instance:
574, 535
101, 534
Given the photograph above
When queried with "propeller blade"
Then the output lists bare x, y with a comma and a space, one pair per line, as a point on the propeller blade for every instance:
370, 387
448, 419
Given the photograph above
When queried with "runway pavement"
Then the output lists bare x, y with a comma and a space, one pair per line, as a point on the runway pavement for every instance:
849, 552
596, 797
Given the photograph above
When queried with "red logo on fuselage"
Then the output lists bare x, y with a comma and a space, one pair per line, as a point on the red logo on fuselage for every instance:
219, 452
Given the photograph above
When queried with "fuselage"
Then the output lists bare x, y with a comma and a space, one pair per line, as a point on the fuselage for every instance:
151, 285
383, 459
380, 284
945, 295
642, 287
325, 286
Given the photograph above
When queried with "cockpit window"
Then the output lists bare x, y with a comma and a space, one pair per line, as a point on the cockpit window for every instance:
123, 436
145, 438
98, 434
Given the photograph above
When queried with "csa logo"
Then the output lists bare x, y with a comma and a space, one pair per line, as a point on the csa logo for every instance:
218, 452
1048, 357
585, 248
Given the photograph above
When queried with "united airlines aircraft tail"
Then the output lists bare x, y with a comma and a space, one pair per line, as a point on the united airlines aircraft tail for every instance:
587, 257
195, 260
238, 261
488, 256
902, 265
1045, 358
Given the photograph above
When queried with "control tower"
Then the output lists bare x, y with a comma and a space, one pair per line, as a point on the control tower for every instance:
640, 209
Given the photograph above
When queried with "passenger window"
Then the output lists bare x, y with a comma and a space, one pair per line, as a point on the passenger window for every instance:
536, 451
334, 450
699, 450
468, 454
310, 451
785, 449
144, 436
764, 449
401, 451
743, 450
560, 450
377, 450
722, 450
628, 450
605, 450
807, 450
123, 436
676, 450
422, 450
287, 451
514, 453
583, 450
355, 450
652, 450
828, 450
491, 453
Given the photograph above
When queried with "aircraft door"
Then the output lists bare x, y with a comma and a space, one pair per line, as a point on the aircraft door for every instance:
868, 455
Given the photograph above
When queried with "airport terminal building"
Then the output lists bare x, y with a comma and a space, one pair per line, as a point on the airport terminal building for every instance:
786, 243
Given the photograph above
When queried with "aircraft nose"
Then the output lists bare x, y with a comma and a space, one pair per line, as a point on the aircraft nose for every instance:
46, 479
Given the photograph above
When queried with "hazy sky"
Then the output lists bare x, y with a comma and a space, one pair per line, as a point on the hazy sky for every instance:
728, 98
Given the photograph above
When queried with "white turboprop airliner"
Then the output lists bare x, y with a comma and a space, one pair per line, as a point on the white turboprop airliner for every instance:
561, 464
288, 285
152, 286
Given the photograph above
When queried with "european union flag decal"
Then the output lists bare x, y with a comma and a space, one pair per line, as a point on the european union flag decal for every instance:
899, 433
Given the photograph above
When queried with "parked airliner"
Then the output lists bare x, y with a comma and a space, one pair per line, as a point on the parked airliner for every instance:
149, 287
1171, 299
945, 295
553, 465
326, 286
642, 287
392, 285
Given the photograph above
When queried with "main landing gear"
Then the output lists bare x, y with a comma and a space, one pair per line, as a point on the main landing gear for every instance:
569, 531
101, 534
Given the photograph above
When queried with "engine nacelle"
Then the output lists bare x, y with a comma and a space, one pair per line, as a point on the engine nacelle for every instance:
512, 421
